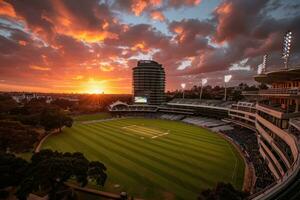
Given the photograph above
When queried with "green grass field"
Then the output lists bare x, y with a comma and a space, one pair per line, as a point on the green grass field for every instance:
89, 117
154, 159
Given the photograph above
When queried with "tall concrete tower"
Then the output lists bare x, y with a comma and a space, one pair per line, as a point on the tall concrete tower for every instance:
149, 83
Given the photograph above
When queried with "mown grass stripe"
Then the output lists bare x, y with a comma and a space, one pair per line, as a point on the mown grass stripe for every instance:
185, 139
229, 169
126, 170
171, 152
169, 155
138, 163
161, 167
195, 152
145, 167
91, 155
197, 137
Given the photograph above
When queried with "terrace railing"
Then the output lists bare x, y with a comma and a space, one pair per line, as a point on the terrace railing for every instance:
275, 91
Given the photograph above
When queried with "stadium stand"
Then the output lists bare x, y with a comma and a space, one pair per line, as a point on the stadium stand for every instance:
204, 121
208, 108
247, 140
172, 117
212, 103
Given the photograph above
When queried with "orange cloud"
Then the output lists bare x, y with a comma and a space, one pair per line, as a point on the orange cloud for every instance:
224, 9
92, 36
140, 47
105, 25
138, 7
7, 9
106, 68
39, 68
157, 15
178, 30
224, 14
196, 2
155, 2
67, 24
180, 33
179, 3
22, 42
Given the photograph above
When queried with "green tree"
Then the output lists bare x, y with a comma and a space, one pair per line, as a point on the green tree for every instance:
97, 172
7, 104
16, 137
49, 171
53, 118
237, 95
63, 103
12, 170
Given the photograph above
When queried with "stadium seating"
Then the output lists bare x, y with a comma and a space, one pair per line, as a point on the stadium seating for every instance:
210, 123
248, 142
213, 103
172, 117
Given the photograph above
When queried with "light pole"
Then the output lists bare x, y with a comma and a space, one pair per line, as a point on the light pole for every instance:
203, 82
183, 86
226, 80
262, 68
286, 48
264, 64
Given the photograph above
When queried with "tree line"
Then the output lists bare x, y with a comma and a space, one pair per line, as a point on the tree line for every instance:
23, 125
46, 173
216, 92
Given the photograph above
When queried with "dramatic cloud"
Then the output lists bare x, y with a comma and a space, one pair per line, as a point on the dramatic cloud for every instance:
6, 9
67, 45
236, 17
137, 7
157, 15
179, 3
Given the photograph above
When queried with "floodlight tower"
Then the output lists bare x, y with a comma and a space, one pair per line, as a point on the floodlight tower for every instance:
203, 82
183, 87
264, 64
226, 80
262, 68
286, 48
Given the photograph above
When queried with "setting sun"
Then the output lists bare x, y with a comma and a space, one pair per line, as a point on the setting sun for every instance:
95, 91
93, 86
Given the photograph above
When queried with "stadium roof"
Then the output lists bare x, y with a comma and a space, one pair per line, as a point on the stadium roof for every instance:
118, 103
281, 75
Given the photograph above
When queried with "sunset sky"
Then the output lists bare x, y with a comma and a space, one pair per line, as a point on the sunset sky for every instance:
91, 45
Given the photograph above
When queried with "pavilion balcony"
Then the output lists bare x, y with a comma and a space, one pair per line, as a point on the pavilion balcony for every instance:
286, 92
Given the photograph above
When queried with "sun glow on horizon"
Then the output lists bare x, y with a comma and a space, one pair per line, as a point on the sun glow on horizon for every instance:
95, 91
93, 86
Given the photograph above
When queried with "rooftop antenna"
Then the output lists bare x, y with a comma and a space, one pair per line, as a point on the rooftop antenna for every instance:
286, 48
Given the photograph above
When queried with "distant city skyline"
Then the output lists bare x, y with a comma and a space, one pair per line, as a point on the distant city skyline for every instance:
91, 46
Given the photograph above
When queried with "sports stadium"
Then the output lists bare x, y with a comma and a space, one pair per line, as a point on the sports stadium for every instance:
176, 149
